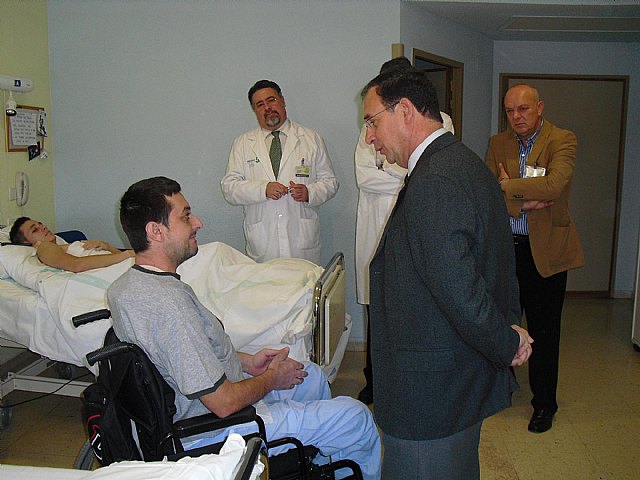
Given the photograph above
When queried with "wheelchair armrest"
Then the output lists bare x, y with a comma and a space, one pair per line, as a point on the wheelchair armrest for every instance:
249, 459
90, 317
210, 422
108, 351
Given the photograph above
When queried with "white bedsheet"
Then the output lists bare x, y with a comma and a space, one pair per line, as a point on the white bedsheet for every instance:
259, 304
206, 467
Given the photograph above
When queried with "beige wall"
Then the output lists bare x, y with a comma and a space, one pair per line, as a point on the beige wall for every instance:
24, 52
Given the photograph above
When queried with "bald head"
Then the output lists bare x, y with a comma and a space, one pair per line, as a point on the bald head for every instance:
524, 109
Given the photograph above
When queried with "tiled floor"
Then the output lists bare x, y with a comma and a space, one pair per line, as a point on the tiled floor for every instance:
596, 433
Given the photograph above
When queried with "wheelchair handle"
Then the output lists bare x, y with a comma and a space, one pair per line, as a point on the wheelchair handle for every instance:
108, 351
90, 317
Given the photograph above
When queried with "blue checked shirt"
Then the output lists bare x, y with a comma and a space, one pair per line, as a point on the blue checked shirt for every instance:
520, 226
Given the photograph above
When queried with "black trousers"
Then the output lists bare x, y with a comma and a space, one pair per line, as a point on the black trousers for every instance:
541, 300
368, 370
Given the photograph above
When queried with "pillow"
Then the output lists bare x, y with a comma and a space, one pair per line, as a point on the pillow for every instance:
4, 235
21, 264
4, 238
12, 255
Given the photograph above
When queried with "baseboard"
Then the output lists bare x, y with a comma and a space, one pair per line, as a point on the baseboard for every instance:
357, 346
622, 294
599, 294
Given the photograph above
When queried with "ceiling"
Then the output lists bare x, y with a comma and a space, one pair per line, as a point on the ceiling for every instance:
544, 20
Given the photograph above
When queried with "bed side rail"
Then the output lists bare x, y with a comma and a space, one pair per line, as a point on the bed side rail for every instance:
325, 282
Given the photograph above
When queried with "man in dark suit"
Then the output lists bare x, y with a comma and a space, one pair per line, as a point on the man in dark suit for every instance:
534, 162
444, 297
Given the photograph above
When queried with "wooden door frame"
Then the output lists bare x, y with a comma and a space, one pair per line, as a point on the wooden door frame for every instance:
455, 72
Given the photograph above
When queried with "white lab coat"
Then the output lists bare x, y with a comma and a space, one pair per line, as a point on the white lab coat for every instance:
379, 189
282, 228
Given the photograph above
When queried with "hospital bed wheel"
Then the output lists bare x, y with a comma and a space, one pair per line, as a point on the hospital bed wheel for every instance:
85, 458
65, 370
5, 417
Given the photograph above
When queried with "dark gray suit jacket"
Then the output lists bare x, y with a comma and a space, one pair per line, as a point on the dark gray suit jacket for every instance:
443, 296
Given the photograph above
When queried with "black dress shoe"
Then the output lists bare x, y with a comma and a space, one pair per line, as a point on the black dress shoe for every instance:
366, 395
541, 420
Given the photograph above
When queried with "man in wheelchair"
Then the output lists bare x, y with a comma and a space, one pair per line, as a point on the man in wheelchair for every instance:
153, 308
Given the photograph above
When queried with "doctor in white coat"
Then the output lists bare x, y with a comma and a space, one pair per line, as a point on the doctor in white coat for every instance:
281, 217
379, 183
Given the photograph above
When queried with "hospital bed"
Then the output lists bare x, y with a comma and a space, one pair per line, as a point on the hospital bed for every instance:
285, 302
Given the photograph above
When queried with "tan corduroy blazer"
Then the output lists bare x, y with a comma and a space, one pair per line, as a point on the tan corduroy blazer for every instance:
553, 236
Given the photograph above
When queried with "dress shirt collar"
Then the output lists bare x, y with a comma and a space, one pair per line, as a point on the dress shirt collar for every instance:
415, 156
284, 128
532, 139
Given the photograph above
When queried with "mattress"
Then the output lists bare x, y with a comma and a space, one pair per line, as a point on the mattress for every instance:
25, 319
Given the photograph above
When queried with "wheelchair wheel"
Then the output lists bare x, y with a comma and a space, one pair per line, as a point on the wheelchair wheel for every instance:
65, 371
85, 458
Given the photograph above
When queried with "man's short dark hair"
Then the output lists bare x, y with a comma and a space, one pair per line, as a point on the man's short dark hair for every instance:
393, 85
399, 63
259, 85
146, 201
15, 235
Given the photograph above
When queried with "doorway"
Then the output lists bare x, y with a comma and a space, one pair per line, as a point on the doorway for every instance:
446, 76
594, 108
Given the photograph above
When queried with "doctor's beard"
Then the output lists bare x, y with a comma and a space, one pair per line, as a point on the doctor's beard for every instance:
272, 119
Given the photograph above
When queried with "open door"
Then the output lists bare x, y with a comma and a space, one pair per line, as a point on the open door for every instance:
446, 76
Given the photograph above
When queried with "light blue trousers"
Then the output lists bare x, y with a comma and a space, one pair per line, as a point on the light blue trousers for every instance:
340, 427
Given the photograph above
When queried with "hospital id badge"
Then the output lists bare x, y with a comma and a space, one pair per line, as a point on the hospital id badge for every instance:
532, 172
302, 170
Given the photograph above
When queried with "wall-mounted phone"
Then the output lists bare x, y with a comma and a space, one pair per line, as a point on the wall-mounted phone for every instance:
22, 188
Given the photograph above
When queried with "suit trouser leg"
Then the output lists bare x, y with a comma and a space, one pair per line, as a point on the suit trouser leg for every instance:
450, 458
368, 370
541, 300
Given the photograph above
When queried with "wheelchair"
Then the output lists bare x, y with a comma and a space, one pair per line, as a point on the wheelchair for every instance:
141, 418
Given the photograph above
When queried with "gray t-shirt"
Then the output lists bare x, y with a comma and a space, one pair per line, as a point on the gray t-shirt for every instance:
185, 341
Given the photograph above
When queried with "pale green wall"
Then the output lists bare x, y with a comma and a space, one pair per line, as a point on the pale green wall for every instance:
24, 52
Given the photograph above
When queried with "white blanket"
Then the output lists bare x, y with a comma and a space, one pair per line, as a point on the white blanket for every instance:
206, 467
260, 305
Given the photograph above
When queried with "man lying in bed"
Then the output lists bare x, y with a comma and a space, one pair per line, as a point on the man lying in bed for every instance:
25, 230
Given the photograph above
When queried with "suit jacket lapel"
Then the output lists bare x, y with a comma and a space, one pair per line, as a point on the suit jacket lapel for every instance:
512, 157
539, 145
439, 143
399, 201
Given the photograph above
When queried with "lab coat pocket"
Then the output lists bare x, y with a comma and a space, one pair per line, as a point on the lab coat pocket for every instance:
309, 234
257, 239
253, 214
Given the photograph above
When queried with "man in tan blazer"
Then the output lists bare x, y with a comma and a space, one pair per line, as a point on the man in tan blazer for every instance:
534, 163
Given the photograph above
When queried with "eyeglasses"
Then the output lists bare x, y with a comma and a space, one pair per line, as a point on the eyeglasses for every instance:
369, 121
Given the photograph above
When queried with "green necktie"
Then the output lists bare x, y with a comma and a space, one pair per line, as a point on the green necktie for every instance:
275, 152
